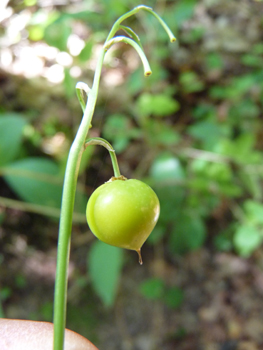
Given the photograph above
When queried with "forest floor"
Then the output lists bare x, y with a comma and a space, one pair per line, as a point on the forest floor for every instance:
222, 307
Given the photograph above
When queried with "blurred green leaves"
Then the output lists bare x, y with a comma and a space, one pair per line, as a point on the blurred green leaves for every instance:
155, 289
118, 129
11, 135
190, 82
57, 33
246, 239
167, 167
248, 234
36, 180
104, 265
189, 233
158, 105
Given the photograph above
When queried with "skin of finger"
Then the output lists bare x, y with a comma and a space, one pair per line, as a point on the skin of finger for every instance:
31, 335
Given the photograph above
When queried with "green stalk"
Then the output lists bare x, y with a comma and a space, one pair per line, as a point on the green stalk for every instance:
117, 25
101, 142
124, 39
67, 206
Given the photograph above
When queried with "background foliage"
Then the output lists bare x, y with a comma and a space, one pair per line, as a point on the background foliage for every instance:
192, 130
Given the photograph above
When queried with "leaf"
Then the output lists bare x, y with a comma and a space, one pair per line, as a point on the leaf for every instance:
169, 197
153, 288
86, 52
214, 61
119, 129
246, 239
35, 180
173, 297
167, 167
209, 133
254, 212
184, 10
159, 105
160, 133
188, 234
242, 149
56, 34
105, 264
38, 181
157, 234
69, 83
191, 82
11, 133
251, 60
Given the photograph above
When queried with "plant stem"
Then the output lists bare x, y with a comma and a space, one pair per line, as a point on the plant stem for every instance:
67, 206
101, 142
124, 39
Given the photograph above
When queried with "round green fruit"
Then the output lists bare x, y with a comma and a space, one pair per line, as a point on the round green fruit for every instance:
123, 213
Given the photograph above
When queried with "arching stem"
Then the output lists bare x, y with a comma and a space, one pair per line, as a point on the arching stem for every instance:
101, 142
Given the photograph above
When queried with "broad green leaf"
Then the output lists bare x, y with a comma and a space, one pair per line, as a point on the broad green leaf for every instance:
247, 238
236, 89
221, 172
214, 61
105, 264
167, 167
188, 234
69, 83
241, 85
209, 133
258, 48
159, 105
153, 288
119, 130
160, 133
252, 182
251, 60
38, 180
171, 200
173, 297
190, 82
247, 109
137, 82
254, 212
193, 35
57, 33
205, 111
184, 10
86, 52
157, 234
35, 180
241, 150
11, 132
